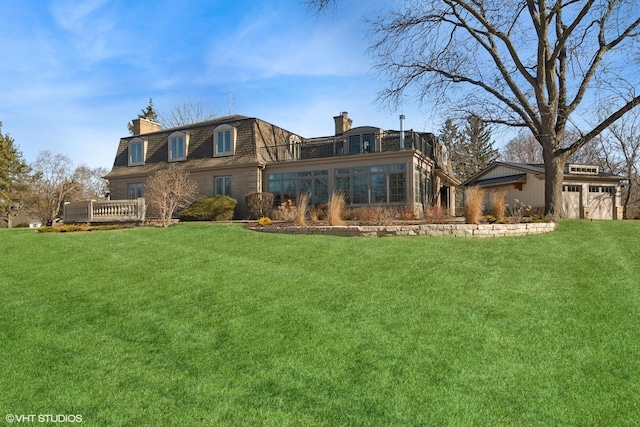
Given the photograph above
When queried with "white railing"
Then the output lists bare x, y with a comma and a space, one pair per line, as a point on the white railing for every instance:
105, 211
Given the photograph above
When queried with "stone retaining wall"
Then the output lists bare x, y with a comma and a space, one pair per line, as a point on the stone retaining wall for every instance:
459, 230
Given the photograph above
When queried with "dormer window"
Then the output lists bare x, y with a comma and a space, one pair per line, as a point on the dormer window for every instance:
224, 141
137, 151
178, 146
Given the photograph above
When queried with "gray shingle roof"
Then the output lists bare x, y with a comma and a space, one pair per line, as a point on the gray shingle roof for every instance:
501, 180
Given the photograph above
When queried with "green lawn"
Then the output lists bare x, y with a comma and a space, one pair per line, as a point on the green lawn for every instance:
204, 324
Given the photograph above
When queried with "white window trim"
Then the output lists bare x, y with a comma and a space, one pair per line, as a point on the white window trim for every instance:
185, 137
144, 151
234, 134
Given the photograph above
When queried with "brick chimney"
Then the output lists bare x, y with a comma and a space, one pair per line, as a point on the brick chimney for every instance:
343, 123
142, 126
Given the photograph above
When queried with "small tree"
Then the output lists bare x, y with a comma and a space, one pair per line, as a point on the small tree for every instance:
259, 204
53, 182
169, 190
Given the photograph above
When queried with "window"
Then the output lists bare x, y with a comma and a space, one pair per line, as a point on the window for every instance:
595, 189
584, 169
571, 188
137, 151
354, 144
371, 185
368, 143
222, 186
134, 190
288, 186
224, 141
178, 146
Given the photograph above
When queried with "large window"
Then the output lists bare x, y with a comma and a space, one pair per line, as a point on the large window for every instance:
288, 186
421, 186
137, 151
222, 186
372, 185
178, 146
224, 140
134, 190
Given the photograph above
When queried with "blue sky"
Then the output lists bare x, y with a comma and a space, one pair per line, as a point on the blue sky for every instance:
74, 72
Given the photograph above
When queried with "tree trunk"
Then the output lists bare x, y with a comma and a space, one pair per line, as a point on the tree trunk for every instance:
627, 196
554, 174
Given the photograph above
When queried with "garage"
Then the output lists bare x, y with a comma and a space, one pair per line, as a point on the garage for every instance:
600, 202
571, 195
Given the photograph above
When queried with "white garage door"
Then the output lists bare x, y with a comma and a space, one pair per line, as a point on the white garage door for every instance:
571, 200
600, 202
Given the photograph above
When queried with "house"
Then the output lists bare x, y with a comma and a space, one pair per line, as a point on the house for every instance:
587, 192
237, 155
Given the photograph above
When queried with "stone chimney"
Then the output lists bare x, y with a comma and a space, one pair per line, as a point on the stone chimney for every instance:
343, 123
142, 126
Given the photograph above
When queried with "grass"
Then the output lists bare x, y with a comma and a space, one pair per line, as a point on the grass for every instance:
210, 324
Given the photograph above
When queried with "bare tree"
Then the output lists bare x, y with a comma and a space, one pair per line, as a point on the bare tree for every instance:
53, 182
169, 190
185, 114
621, 147
539, 64
522, 149
90, 184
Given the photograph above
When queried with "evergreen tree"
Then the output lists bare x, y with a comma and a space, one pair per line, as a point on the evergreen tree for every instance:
470, 149
476, 150
14, 175
451, 138
149, 113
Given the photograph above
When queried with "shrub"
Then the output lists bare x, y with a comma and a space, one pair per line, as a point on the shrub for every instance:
375, 215
286, 211
435, 215
498, 204
335, 207
67, 228
318, 212
407, 213
518, 210
301, 209
473, 204
259, 204
218, 208
265, 221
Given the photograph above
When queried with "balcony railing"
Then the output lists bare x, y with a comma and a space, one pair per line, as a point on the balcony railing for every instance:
105, 211
341, 146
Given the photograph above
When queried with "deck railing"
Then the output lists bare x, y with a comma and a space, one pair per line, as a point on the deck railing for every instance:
340, 146
105, 211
